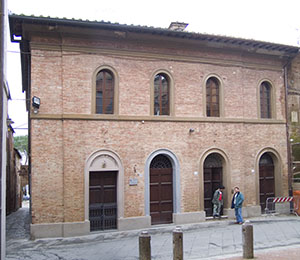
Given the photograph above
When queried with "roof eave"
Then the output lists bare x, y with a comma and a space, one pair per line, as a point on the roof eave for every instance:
231, 42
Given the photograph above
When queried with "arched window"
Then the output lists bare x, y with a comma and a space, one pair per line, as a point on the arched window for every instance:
213, 97
161, 161
214, 160
265, 100
105, 92
266, 160
161, 95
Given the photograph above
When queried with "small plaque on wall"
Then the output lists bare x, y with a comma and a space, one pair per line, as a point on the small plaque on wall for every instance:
133, 181
294, 116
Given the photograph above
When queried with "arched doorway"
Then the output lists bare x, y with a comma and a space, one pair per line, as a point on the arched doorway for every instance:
161, 190
213, 178
266, 179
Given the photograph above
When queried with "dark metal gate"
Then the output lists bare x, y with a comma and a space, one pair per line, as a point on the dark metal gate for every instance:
266, 180
103, 200
103, 216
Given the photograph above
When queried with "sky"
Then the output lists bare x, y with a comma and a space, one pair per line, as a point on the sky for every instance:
266, 20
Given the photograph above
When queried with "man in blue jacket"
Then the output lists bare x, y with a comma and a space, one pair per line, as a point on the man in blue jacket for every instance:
237, 204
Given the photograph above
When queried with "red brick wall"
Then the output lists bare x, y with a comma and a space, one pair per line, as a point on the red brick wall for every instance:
63, 81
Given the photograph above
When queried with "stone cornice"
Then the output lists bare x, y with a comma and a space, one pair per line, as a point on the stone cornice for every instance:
94, 117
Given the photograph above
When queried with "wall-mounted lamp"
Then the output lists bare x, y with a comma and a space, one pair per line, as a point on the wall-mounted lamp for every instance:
36, 102
192, 130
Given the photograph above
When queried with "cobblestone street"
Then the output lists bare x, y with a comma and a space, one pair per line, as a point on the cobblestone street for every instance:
17, 224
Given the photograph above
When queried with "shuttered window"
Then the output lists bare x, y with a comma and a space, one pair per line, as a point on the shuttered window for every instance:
265, 100
213, 97
104, 92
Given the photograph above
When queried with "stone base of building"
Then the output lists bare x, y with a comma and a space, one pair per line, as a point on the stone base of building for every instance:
134, 223
68, 229
71, 229
188, 217
247, 212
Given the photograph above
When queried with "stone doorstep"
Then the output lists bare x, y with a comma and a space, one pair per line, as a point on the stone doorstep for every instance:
212, 218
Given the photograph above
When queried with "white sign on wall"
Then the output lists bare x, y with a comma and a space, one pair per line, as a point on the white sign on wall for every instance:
294, 116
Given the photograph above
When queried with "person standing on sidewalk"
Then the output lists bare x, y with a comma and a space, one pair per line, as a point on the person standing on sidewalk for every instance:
237, 204
218, 202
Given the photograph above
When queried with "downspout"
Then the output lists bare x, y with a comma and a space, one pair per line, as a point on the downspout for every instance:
28, 104
26, 81
289, 157
63, 132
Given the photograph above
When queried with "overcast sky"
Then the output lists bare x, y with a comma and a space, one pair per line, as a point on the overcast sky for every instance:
267, 20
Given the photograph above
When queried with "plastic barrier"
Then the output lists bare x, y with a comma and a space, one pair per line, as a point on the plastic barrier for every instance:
279, 205
297, 202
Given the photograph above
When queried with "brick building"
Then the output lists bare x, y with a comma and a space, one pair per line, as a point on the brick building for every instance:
13, 167
138, 126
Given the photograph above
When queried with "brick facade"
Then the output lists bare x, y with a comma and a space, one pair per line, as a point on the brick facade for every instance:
293, 114
65, 133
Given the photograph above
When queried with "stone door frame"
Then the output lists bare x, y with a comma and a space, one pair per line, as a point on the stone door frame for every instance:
104, 160
176, 180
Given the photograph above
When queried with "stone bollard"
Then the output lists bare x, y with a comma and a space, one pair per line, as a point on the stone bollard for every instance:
177, 244
247, 233
144, 246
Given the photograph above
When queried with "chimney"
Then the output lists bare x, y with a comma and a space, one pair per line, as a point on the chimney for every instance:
177, 26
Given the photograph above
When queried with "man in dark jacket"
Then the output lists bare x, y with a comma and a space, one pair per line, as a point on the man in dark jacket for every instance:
236, 204
218, 201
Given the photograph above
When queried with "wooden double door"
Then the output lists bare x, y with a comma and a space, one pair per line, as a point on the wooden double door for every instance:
103, 200
266, 180
161, 190
213, 179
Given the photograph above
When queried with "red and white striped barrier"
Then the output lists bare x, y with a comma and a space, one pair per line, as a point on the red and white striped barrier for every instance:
283, 199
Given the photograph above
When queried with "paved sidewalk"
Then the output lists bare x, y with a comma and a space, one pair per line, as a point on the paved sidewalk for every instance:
287, 252
274, 238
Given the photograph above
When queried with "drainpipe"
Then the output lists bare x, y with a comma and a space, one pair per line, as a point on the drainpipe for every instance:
26, 56
289, 157
28, 105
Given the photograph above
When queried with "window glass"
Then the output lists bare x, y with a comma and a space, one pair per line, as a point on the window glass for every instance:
265, 100
161, 95
212, 97
105, 92
266, 159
